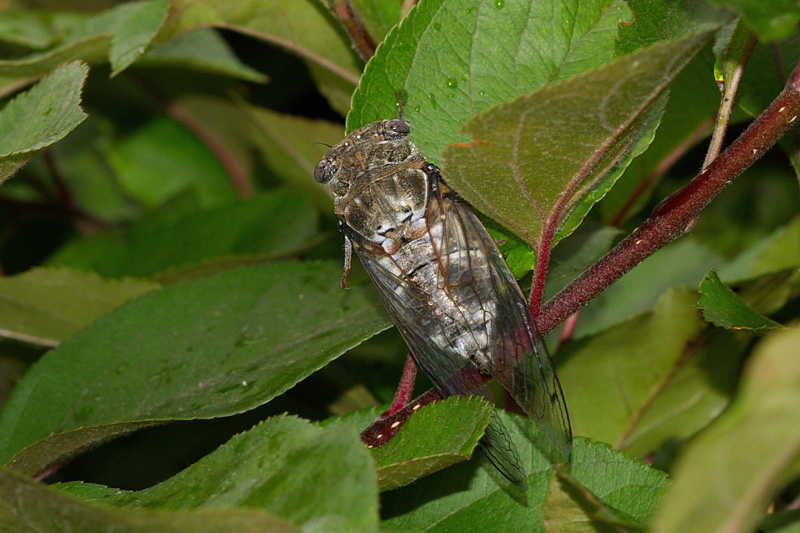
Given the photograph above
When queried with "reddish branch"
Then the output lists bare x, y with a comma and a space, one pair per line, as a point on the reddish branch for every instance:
667, 222
362, 42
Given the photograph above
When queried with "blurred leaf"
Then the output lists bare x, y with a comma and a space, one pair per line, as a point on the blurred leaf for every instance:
771, 20
723, 307
694, 395
378, 16
272, 224
209, 348
751, 208
81, 163
748, 454
337, 89
683, 262
26, 505
292, 146
161, 159
44, 306
775, 253
301, 27
473, 495
203, 50
576, 253
782, 521
30, 29
781, 252
768, 294
48, 111
612, 378
13, 366
122, 34
436, 437
316, 479
763, 79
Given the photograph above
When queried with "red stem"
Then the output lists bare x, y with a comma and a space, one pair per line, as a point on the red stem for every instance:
542, 265
362, 42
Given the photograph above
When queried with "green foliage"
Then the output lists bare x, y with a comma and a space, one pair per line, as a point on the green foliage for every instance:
162, 235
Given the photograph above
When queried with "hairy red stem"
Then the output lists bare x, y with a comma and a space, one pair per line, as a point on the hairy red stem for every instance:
362, 42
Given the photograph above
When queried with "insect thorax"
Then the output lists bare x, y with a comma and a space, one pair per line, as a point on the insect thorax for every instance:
379, 183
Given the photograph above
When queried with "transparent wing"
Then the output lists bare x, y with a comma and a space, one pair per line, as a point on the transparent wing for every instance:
519, 358
468, 321
407, 303
450, 373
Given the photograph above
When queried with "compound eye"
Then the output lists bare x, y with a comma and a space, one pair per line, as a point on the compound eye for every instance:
319, 172
397, 125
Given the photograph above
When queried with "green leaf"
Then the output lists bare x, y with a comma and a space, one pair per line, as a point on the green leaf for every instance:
161, 159
631, 487
694, 395
514, 54
203, 50
775, 253
723, 307
319, 479
41, 116
587, 123
477, 496
271, 224
292, 146
683, 262
771, 20
26, 505
585, 496
664, 20
748, 454
613, 379
693, 103
122, 34
378, 16
44, 306
25, 28
300, 26
434, 438
209, 348
572, 508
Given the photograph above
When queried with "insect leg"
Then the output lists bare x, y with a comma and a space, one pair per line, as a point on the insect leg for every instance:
348, 258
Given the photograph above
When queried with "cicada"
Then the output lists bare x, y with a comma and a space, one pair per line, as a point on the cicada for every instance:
444, 282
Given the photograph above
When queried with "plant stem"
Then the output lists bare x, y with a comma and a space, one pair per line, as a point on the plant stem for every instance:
362, 42
734, 61
674, 215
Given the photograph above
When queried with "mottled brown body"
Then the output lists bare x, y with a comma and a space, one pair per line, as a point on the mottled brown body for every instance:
443, 281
